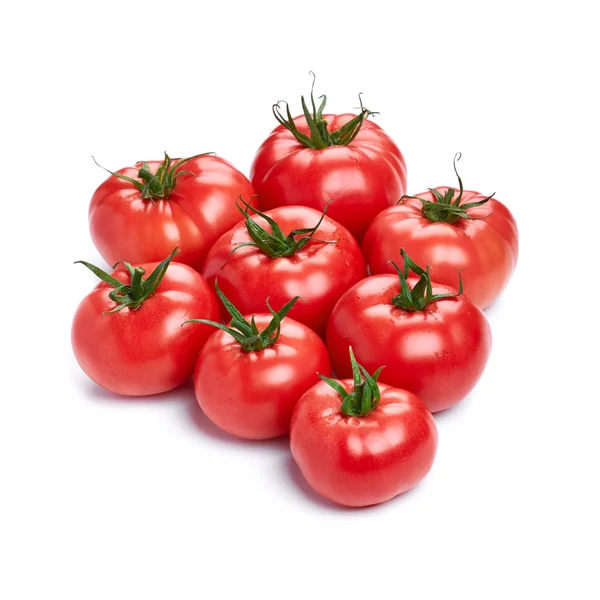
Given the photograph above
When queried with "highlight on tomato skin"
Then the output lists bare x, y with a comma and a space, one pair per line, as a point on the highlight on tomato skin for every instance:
250, 373
141, 212
126, 333
358, 442
434, 340
450, 229
313, 157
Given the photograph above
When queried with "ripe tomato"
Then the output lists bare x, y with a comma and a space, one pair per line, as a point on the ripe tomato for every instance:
379, 443
250, 375
476, 234
289, 251
142, 212
127, 333
433, 342
344, 158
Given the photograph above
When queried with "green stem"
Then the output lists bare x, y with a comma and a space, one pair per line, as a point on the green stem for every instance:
159, 185
421, 295
245, 333
137, 284
320, 136
365, 395
275, 244
444, 209
132, 296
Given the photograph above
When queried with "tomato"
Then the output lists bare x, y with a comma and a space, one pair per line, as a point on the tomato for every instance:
127, 334
142, 212
289, 251
247, 383
314, 158
478, 235
433, 342
378, 443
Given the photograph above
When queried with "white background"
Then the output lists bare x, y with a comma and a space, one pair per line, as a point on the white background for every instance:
108, 498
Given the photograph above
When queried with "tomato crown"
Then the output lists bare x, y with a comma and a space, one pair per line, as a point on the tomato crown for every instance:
445, 209
421, 295
275, 244
245, 333
320, 136
365, 396
139, 289
159, 185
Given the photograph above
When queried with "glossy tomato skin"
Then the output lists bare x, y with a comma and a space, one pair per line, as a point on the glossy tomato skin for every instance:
438, 354
320, 273
485, 248
361, 179
362, 461
252, 394
200, 208
144, 351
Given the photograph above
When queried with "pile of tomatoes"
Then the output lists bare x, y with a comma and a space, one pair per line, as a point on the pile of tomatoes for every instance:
319, 264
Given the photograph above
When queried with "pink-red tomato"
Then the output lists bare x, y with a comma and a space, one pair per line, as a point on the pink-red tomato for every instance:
199, 208
252, 394
438, 353
361, 179
359, 461
143, 351
320, 272
484, 247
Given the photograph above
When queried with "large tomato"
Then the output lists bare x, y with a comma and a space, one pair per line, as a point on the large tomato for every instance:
344, 158
360, 443
471, 232
142, 212
433, 341
250, 375
289, 251
127, 334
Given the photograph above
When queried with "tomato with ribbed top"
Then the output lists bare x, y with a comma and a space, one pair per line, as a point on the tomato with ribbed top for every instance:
127, 333
434, 341
251, 373
286, 252
142, 212
451, 229
345, 159
359, 442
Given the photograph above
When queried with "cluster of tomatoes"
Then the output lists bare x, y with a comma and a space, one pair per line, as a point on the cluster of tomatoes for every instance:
319, 264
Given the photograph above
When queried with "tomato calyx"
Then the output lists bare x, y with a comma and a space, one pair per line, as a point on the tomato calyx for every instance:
159, 185
320, 136
132, 296
275, 244
247, 334
421, 295
446, 209
365, 396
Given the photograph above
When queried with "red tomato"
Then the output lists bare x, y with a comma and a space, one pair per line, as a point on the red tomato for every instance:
359, 461
437, 352
190, 211
363, 172
320, 271
248, 384
484, 246
144, 350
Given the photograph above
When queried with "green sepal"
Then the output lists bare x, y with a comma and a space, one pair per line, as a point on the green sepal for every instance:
421, 295
132, 296
276, 244
446, 209
247, 334
159, 185
365, 395
320, 136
